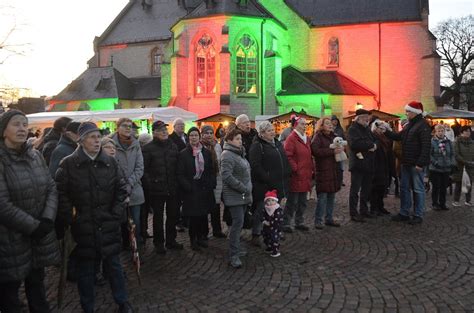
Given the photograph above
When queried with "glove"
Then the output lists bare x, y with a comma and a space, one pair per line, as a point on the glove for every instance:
45, 227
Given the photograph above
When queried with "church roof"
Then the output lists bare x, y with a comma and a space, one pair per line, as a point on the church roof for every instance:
331, 12
295, 82
108, 82
228, 7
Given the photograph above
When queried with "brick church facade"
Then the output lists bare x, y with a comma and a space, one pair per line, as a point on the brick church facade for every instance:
261, 57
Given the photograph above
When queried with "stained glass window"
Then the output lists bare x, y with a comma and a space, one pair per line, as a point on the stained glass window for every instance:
246, 66
205, 66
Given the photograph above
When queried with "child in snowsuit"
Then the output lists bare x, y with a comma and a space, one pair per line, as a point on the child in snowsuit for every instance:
272, 221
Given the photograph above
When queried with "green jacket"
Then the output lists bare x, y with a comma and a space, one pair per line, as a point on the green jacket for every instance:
464, 154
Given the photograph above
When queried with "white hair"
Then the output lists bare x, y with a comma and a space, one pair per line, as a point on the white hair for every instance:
178, 120
242, 118
264, 126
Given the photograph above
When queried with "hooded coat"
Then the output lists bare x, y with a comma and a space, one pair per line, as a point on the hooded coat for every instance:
130, 160
27, 194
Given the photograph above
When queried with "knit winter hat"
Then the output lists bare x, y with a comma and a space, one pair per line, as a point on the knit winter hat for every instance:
414, 107
206, 128
271, 195
294, 120
86, 128
6, 117
194, 129
158, 125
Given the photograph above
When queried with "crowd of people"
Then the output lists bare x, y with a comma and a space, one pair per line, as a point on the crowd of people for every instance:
74, 179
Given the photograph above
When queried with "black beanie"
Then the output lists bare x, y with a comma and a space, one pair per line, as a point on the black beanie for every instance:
6, 117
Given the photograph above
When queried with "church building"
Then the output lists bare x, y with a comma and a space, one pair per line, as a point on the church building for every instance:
261, 57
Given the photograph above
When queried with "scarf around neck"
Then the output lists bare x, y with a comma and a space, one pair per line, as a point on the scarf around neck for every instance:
303, 137
271, 208
198, 161
124, 141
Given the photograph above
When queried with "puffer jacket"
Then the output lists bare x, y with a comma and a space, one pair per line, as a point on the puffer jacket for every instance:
464, 154
130, 160
270, 168
237, 184
64, 148
441, 155
50, 142
96, 190
416, 142
361, 141
27, 194
160, 159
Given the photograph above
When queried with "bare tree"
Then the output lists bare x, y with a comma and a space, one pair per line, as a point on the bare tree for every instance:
9, 47
455, 45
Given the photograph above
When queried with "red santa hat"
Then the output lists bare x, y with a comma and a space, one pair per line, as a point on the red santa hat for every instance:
271, 195
414, 107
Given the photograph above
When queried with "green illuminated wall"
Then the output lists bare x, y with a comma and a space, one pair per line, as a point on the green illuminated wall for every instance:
310, 103
106, 104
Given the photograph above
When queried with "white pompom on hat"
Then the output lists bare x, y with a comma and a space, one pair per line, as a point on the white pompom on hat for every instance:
414, 107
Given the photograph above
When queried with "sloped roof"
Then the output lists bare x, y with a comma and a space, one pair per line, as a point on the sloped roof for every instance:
338, 12
229, 7
138, 24
108, 82
297, 82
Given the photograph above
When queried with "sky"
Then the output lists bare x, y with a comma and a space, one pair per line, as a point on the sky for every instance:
59, 34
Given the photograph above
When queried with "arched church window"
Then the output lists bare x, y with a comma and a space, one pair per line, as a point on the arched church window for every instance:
246, 66
156, 61
333, 52
205, 66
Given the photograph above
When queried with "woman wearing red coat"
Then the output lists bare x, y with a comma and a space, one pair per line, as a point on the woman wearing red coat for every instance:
298, 151
327, 173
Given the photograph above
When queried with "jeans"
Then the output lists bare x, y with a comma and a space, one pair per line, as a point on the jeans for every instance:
257, 218
135, 212
86, 269
35, 293
237, 213
440, 184
360, 182
158, 205
325, 203
411, 179
295, 205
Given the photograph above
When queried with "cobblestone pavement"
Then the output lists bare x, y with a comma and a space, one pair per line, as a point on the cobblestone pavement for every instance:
378, 266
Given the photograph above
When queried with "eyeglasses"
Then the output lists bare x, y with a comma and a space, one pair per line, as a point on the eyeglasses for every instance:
127, 126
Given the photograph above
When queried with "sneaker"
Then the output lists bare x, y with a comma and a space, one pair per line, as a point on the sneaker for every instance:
357, 218
468, 203
400, 218
275, 254
125, 308
160, 249
415, 220
287, 229
235, 262
302, 227
319, 226
174, 246
333, 224
456, 204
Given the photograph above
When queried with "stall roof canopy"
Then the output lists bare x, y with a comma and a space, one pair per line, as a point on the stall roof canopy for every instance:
379, 114
219, 117
287, 116
167, 114
452, 113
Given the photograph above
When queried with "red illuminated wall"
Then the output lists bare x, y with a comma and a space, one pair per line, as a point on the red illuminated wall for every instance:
404, 74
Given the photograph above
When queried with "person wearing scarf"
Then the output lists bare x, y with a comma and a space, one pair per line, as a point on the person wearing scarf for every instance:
197, 180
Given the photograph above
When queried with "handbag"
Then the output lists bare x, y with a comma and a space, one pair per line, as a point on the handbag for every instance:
466, 182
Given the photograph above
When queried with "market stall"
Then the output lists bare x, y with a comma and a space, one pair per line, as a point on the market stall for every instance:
451, 116
106, 119
282, 121
216, 120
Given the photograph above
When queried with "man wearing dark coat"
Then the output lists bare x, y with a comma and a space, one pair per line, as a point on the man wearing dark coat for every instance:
92, 194
248, 133
66, 146
52, 138
362, 148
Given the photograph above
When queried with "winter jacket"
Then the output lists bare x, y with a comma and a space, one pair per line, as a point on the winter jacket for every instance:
160, 159
327, 169
338, 130
96, 191
65, 147
50, 142
217, 150
199, 199
464, 155
247, 139
301, 162
270, 168
441, 155
27, 194
236, 179
361, 140
416, 142
382, 161
130, 160
178, 141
